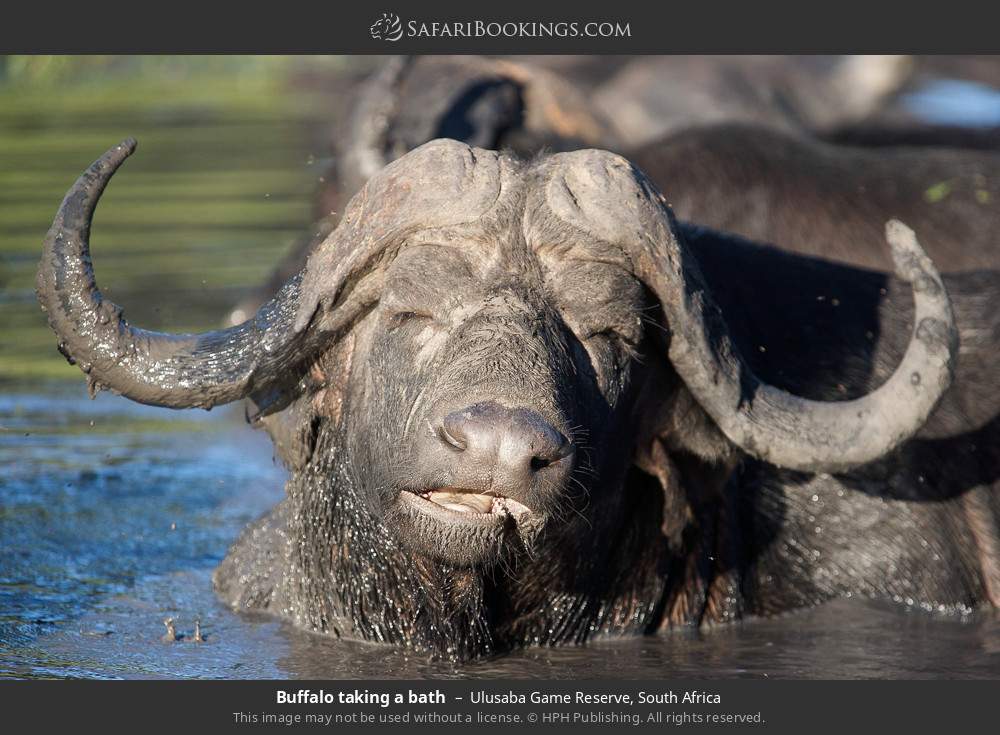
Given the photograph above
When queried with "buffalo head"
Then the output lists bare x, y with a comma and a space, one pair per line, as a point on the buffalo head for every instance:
485, 347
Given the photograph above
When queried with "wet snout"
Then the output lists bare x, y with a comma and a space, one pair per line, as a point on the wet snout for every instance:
506, 452
518, 441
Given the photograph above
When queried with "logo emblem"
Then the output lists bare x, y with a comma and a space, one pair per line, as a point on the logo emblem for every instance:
387, 28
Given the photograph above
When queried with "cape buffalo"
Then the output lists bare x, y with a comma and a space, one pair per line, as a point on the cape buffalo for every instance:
522, 404
829, 200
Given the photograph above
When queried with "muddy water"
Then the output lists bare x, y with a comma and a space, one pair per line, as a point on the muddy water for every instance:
113, 515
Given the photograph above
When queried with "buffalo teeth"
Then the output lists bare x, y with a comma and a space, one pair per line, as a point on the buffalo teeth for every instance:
466, 501
462, 501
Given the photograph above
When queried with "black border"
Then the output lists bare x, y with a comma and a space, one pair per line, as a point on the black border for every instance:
657, 26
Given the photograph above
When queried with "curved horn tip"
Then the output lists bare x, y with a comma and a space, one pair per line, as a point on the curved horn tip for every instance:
123, 150
910, 260
111, 159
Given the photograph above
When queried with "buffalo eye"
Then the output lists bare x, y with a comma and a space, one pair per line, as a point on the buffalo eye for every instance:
626, 338
625, 330
601, 303
406, 317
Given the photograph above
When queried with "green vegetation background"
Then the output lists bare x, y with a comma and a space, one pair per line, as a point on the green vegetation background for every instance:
231, 150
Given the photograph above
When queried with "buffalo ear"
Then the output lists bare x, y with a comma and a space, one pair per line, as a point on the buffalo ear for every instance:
293, 433
295, 427
699, 528
656, 461
688, 482
682, 448
290, 419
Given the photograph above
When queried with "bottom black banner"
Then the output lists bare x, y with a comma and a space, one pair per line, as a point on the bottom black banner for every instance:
455, 706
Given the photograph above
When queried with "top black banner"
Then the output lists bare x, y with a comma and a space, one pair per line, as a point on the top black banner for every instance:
509, 27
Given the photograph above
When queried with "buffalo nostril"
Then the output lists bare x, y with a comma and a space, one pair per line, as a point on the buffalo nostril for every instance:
540, 463
557, 448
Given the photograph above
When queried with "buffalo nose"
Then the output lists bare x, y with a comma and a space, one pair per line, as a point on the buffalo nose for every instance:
518, 439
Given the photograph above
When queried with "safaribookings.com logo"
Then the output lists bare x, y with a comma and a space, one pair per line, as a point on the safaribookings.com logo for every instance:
387, 28
390, 28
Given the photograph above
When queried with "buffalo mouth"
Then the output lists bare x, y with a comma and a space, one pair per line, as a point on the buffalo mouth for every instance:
465, 506
463, 526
